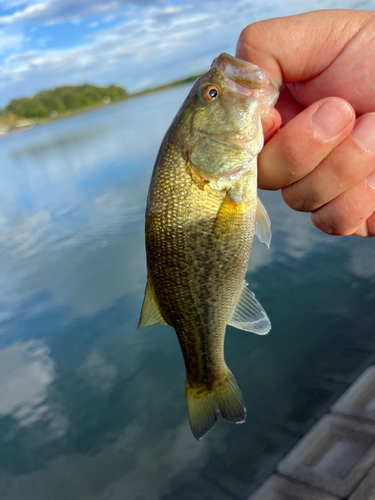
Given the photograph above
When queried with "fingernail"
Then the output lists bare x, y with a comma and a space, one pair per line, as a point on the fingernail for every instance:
364, 131
362, 230
331, 117
241, 45
371, 179
267, 123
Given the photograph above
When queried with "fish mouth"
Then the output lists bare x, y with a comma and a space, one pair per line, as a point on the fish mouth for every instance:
246, 74
248, 79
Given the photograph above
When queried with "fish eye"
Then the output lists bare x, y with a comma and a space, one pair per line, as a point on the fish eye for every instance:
211, 93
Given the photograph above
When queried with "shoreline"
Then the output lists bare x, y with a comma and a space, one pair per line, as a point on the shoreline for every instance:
63, 116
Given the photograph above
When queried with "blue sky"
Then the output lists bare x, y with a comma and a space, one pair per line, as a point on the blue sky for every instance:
132, 43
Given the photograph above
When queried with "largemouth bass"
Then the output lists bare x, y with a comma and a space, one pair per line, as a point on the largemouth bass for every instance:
201, 217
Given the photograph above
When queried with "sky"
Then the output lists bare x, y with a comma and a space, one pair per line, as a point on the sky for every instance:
132, 43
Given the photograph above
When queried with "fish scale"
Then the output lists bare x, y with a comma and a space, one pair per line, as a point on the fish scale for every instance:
187, 282
200, 224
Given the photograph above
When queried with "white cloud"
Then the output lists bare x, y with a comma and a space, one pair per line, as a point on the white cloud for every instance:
155, 44
11, 4
30, 12
56, 11
361, 264
11, 39
125, 469
22, 240
98, 372
42, 41
26, 370
163, 48
56, 175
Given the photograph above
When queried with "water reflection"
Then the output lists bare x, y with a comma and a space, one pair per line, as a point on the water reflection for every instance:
90, 408
26, 370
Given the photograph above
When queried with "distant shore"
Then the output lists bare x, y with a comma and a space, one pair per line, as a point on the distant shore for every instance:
20, 124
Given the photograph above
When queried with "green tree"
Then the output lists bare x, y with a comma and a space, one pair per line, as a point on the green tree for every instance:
60, 106
63, 99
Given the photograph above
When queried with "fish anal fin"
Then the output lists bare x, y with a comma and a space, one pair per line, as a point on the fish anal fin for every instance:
263, 225
150, 314
206, 403
249, 315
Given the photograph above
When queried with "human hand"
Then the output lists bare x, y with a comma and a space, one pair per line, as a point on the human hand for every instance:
322, 158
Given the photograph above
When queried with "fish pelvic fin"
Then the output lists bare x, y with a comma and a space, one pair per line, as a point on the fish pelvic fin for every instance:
150, 314
206, 403
263, 225
249, 315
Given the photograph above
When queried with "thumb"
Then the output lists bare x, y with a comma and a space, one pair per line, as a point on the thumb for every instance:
299, 48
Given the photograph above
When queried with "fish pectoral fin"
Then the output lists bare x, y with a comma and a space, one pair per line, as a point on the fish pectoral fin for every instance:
263, 225
249, 315
150, 314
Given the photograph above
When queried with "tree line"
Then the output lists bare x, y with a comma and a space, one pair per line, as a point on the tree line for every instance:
50, 103
64, 99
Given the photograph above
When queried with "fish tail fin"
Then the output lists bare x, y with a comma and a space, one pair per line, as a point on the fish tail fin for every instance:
202, 409
229, 399
205, 403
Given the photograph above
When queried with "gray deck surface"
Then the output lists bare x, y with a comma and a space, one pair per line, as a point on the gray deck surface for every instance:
335, 460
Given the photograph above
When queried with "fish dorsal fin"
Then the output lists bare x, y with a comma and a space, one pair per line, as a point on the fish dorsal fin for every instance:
249, 315
150, 314
263, 229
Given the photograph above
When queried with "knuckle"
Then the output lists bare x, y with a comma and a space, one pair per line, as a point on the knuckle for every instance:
321, 224
294, 198
252, 35
329, 225
292, 158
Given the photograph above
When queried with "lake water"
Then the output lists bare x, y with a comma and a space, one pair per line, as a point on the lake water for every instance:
90, 408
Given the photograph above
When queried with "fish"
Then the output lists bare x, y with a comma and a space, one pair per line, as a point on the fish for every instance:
202, 214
